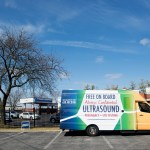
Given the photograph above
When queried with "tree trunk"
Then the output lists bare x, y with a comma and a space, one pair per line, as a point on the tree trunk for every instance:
3, 116
2, 113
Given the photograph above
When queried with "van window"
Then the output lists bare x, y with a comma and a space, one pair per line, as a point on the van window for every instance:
144, 107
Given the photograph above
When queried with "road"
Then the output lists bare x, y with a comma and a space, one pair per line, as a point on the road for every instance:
57, 140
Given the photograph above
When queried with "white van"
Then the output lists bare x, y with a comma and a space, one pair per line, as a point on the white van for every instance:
97, 110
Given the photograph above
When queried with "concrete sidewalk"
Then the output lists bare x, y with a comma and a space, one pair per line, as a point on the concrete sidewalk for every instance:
36, 129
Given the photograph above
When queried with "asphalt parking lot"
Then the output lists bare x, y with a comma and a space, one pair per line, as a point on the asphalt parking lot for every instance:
56, 140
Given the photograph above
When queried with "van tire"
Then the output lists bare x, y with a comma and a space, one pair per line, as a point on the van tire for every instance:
92, 130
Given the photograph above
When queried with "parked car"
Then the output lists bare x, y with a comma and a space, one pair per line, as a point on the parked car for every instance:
13, 114
7, 117
55, 118
28, 115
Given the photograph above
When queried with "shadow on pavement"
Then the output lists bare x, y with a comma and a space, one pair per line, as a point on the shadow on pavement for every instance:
109, 133
75, 133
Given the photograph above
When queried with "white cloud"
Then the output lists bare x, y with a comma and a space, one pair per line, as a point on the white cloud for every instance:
52, 30
33, 28
81, 44
61, 11
113, 76
145, 42
27, 27
134, 21
117, 17
88, 45
99, 59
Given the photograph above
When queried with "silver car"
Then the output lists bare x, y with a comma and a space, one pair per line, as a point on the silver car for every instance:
29, 115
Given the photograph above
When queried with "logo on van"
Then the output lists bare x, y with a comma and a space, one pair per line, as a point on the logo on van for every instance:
68, 101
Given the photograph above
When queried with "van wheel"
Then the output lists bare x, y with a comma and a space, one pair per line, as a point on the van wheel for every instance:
92, 130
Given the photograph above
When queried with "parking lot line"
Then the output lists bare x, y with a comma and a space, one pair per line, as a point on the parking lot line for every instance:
108, 143
46, 146
11, 136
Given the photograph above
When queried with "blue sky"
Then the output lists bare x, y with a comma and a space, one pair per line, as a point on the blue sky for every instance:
102, 42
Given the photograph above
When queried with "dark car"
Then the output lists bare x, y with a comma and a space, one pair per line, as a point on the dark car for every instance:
55, 118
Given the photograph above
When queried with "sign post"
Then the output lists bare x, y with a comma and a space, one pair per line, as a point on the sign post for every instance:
34, 116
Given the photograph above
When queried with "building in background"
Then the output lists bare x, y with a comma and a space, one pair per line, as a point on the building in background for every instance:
40, 105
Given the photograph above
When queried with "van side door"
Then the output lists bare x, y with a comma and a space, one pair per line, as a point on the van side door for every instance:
143, 116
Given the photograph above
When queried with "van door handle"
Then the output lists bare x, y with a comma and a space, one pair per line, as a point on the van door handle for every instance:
141, 115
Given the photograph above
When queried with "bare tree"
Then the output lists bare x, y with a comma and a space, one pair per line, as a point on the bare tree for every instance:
142, 85
114, 87
148, 83
132, 85
39, 93
23, 63
89, 87
14, 97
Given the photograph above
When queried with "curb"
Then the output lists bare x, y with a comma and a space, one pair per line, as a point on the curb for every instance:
30, 129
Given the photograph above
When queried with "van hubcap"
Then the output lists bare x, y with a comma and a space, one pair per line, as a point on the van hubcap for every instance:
92, 130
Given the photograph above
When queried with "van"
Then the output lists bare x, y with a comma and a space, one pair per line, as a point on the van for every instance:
98, 110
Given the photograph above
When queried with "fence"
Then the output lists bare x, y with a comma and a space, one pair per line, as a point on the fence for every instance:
44, 121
